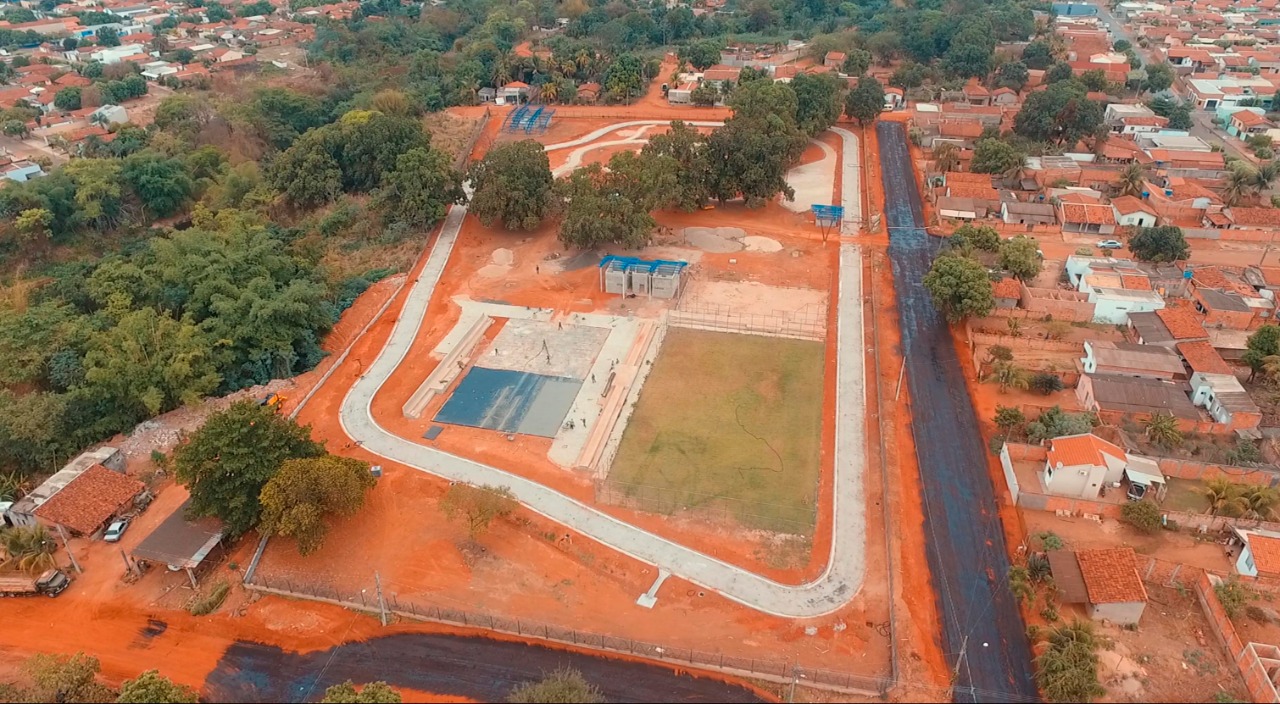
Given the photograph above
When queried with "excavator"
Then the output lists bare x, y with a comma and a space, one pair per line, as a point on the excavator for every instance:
273, 401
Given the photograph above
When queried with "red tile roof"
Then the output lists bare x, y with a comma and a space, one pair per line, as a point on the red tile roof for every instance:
1111, 576
1255, 216
1182, 323
1007, 288
1090, 214
1129, 204
1135, 283
90, 500
1202, 357
1266, 553
1087, 449
1249, 118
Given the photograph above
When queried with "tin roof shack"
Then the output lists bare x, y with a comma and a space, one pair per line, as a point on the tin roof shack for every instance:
1131, 359
180, 543
1226, 400
1013, 212
81, 498
1114, 397
1106, 581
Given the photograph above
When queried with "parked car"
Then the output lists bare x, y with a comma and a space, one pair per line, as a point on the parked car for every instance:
1111, 244
115, 531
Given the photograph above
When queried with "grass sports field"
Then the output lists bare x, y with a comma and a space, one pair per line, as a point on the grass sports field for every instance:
731, 422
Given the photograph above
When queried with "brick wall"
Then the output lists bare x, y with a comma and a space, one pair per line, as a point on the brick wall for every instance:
1191, 469
1252, 671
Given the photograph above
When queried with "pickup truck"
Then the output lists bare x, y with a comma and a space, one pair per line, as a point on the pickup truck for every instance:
50, 583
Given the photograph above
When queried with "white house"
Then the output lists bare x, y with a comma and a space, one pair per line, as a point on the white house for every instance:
1112, 306
156, 70
109, 115
1225, 399
1133, 212
1083, 466
113, 54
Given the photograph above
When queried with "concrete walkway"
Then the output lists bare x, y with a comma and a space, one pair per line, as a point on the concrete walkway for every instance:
846, 565
813, 182
850, 182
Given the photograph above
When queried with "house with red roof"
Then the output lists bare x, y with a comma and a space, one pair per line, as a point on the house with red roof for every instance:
1105, 581
1133, 212
1082, 213
1083, 466
1245, 123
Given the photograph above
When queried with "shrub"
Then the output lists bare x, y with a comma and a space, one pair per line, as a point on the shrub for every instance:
1051, 541
1067, 671
1143, 515
1046, 383
562, 685
1049, 613
1233, 595
211, 602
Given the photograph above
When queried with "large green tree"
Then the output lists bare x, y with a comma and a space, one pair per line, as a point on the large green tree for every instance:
688, 148
1263, 343
856, 62
960, 287
600, 210
421, 187
159, 182
227, 462
749, 156
996, 156
817, 101
866, 101
1165, 243
513, 186
1060, 114
1020, 256
298, 499
624, 78
1159, 78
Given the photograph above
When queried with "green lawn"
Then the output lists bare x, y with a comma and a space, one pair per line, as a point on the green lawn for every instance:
1185, 495
731, 423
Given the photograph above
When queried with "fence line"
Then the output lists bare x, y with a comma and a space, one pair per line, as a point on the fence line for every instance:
710, 317
778, 671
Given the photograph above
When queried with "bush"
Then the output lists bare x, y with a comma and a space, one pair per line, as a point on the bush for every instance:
1049, 613
562, 685
1143, 515
211, 602
1047, 383
1233, 595
1051, 541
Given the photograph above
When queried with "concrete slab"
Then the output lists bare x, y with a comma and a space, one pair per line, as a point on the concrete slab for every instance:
544, 347
649, 598
813, 182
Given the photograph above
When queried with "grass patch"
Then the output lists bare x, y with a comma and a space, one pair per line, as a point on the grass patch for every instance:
1184, 495
203, 606
728, 422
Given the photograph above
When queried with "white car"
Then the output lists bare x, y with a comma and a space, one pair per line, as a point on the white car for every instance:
1110, 244
115, 531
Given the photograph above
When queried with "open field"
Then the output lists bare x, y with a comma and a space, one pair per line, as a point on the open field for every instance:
731, 420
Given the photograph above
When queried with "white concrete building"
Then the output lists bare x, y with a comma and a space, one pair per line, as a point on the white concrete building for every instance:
1113, 305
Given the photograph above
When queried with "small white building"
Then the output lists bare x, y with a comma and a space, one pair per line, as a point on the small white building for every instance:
1113, 305
1133, 212
1106, 581
113, 54
1225, 398
1082, 466
1260, 552
156, 70
109, 115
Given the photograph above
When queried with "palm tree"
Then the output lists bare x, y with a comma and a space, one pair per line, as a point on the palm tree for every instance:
1265, 175
30, 548
549, 91
1239, 185
1258, 500
1009, 375
947, 157
1221, 495
1162, 429
1133, 180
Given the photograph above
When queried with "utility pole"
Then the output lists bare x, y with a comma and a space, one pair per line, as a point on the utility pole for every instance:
127, 565
67, 544
382, 605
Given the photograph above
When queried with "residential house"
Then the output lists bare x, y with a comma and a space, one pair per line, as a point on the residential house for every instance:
1028, 213
1106, 581
1084, 466
1252, 218
1131, 359
1212, 93
116, 54
81, 497
1115, 114
1131, 126
1112, 306
1230, 344
109, 115
588, 92
1080, 213
1133, 212
962, 208
834, 60
975, 94
1259, 554
1004, 97
1226, 400
1200, 356
1247, 123
20, 170
513, 92
1135, 396
1007, 292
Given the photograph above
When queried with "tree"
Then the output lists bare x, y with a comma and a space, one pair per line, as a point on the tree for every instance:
907, 76
1162, 429
1020, 256
1008, 375
701, 54
513, 186
1223, 497
1165, 243
1122, 45
687, 148
160, 183
960, 288
153, 687
1046, 383
969, 236
1038, 55
1258, 501
1055, 423
419, 190
227, 462
299, 497
968, 60
1143, 515
1058, 73
1133, 180
946, 157
994, 156
307, 175
600, 211
1014, 75
562, 686
749, 156
107, 36
885, 46
856, 62
817, 101
29, 548
477, 506
1180, 117
625, 77
705, 95
1009, 418
1264, 175
866, 101
67, 99
1245, 452
70, 43
1094, 80
217, 13
1159, 78
372, 693
1060, 114
149, 363
1067, 671
65, 678
1263, 343
33, 225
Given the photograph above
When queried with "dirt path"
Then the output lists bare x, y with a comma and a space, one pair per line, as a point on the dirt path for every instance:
982, 630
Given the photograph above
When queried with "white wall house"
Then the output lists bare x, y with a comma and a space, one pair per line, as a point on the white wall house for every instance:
1112, 306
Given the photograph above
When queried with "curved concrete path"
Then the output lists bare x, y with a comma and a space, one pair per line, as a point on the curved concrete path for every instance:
813, 182
846, 566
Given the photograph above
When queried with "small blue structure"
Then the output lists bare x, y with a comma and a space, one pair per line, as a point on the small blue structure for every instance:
827, 217
632, 276
515, 119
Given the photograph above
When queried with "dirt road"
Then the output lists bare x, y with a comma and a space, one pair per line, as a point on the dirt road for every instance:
473, 668
983, 634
